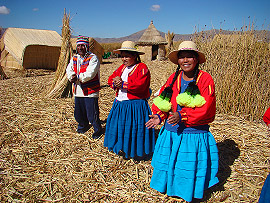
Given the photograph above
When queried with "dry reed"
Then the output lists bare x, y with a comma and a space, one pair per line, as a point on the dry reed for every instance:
109, 47
239, 64
2, 73
43, 159
60, 82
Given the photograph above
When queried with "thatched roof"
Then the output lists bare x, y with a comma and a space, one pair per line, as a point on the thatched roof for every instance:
16, 40
151, 36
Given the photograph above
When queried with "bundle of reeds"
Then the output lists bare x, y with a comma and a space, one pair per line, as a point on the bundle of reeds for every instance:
2, 73
60, 83
169, 38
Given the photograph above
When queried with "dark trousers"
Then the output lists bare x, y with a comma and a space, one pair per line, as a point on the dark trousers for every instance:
87, 110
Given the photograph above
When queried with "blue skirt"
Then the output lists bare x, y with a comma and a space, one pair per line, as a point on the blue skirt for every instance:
184, 164
126, 131
265, 193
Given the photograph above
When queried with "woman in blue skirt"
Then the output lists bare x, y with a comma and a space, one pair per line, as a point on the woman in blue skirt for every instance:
185, 159
126, 133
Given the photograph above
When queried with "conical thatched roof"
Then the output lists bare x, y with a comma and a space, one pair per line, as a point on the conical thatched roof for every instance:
151, 36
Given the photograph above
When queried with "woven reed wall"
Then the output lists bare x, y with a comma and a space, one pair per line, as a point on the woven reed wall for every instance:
148, 53
161, 52
40, 56
21, 48
8, 61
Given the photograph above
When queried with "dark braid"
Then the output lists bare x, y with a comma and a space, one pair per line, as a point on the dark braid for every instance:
167, 92
175, 75
138, 58
192, 86
196, 73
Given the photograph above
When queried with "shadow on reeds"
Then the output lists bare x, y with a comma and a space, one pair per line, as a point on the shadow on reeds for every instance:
103, 121
107, 62
228, 153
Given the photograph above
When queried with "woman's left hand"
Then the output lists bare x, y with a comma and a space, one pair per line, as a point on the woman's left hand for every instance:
174, 119
153, 121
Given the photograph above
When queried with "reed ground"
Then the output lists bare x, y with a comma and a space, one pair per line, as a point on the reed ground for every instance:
43, 159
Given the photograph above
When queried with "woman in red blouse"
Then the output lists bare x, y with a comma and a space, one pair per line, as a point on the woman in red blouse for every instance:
185, 159
126, 133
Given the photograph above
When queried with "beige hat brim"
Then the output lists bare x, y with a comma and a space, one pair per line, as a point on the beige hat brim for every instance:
118, 51
173, 56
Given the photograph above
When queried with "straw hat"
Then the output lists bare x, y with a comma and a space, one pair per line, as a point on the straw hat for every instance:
128, 46
184, 46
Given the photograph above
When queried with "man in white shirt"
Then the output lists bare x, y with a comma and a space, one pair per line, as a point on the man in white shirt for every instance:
83, 72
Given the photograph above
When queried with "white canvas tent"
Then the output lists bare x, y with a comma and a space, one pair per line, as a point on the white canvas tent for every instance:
30, 48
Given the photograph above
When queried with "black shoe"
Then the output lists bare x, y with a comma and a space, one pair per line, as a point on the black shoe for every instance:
84, 130
97, 134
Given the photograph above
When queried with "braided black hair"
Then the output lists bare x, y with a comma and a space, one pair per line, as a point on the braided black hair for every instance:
192, 86
167, 92
175, 75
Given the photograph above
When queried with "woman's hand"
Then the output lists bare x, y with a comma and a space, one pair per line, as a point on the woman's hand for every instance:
117, 82
174, 119
153, 122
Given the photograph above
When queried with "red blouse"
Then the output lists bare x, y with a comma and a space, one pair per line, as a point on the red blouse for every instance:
266, 116
138, 82
192, 116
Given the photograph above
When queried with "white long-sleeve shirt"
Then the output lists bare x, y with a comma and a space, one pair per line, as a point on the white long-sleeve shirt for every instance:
92, 69
122, 93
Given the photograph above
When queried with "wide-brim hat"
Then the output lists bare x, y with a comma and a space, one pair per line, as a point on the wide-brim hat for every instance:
128, 46
186, 46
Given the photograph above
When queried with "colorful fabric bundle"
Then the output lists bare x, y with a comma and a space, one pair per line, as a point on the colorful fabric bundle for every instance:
191, 97
163, 100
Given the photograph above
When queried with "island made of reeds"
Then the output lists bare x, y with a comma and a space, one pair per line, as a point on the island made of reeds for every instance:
43, 159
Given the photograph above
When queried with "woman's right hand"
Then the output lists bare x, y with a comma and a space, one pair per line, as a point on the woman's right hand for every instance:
117, 81
153, 122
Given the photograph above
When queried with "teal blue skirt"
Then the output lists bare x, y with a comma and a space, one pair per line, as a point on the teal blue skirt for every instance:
126, 131
184, 164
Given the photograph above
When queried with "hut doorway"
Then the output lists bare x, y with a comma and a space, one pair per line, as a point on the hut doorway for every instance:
154, 52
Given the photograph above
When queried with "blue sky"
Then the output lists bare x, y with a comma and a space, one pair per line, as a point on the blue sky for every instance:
120, 18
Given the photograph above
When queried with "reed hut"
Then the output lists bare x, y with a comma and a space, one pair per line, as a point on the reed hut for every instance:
94, 47
152, 43
30, 48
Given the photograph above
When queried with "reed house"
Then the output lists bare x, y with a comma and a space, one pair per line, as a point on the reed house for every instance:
152, 43
30, 48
